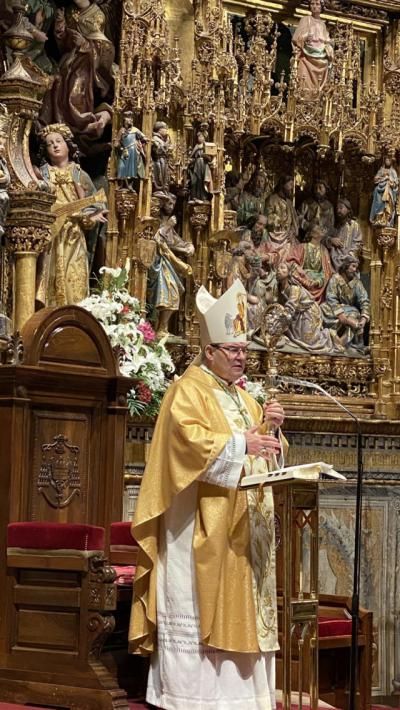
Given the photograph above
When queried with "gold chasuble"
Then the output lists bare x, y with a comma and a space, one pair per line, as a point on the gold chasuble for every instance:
233, 541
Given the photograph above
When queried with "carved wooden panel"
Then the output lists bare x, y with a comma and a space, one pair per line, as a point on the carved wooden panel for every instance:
60, 488
47, 629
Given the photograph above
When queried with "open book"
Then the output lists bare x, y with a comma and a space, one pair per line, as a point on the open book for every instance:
319, 471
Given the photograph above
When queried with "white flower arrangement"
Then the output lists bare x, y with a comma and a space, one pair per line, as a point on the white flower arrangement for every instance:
140, 355
255, 389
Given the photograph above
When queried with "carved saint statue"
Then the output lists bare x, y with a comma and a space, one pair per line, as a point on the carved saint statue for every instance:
4, 182
314, 49
313, 264
64, 269
251, 201
40, 15
384, 202
347, 306
305, 330
261, 291
131, 145
160, 152
200, 177
347, 238
282, 222
317, 209
81, 93
165, 286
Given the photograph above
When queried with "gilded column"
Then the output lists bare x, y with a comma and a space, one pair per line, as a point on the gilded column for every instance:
28, 232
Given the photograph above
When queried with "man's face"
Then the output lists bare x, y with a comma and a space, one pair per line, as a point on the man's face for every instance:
287, 188
316, 234
320, 190
259, 186
352, 270
260, 225
342, 210
227, 360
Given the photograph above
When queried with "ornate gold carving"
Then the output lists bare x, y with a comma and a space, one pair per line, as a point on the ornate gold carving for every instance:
59, 479
146, 250
386, 295
27, 239
150, 74
200, 215
230, 219
397, 280
381, 367
386, 237
125, 201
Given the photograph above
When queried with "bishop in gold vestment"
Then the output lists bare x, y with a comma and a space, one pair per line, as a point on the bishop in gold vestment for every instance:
205, 598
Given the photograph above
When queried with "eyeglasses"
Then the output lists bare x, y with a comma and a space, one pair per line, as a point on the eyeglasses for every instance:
232, 351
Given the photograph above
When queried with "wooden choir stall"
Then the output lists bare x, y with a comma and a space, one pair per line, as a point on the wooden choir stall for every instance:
62, 432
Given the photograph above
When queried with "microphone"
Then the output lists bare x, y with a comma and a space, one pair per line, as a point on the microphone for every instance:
314, 386
355, 601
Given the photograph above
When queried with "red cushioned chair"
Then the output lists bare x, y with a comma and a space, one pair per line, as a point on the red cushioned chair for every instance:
60, 595
123, 552
334, 642
334, 631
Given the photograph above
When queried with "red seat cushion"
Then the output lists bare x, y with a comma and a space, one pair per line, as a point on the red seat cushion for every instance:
55, 536
120, 534
334, 627
125, 573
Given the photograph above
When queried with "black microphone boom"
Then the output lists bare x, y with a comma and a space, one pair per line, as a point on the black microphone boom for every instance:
355, 600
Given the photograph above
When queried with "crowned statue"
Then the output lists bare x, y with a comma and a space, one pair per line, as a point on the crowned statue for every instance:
64, 267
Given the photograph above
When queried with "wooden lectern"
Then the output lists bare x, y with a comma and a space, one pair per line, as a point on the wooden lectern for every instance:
296, 515
300, 607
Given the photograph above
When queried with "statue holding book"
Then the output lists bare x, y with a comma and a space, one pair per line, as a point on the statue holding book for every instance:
64, 266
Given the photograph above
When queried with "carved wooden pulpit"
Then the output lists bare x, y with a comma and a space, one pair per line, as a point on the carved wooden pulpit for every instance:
62, 428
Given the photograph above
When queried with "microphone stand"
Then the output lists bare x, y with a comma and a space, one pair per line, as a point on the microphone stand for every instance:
355, 600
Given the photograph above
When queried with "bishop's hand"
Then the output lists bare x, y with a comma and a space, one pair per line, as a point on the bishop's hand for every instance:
274, 414
264, 445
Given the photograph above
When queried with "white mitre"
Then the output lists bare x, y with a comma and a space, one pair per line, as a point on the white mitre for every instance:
223, 319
